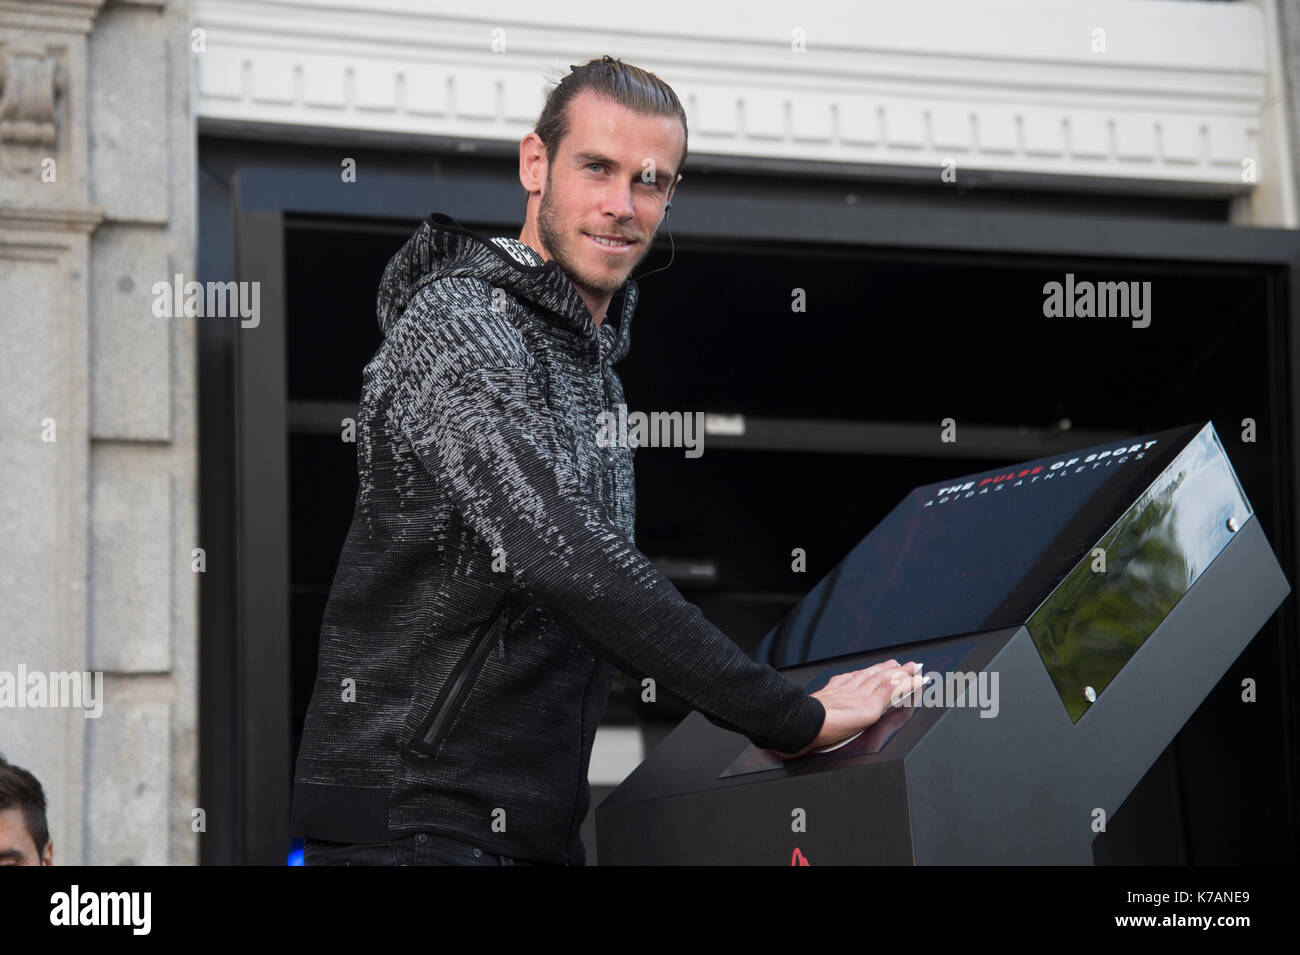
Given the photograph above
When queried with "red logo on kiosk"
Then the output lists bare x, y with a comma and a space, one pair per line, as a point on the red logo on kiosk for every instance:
797, 858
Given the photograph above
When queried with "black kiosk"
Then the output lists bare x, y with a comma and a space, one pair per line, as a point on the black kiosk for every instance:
1072, 613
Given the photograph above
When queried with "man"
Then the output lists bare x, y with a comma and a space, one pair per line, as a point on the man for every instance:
489, 584
24, 833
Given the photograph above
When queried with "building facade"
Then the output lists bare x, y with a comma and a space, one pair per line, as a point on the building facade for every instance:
155, 141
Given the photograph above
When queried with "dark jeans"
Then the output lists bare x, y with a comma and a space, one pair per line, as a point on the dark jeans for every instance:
425, 848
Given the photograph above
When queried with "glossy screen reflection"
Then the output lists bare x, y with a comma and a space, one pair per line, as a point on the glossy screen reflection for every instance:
1120, 590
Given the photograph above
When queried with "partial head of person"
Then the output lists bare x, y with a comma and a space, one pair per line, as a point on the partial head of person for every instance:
24, 833
600, 168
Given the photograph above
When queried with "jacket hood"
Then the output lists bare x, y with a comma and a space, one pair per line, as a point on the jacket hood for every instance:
442, 248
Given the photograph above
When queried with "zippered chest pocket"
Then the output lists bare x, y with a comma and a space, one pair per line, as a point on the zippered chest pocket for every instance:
437, 721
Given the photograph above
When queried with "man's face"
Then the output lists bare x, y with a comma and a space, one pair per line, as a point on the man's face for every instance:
16, 846
596, 187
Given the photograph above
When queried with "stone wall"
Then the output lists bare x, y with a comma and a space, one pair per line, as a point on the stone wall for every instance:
98, 419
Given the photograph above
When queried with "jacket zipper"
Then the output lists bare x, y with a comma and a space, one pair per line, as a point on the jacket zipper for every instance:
435, 725
574, 821
607, 467
607, 482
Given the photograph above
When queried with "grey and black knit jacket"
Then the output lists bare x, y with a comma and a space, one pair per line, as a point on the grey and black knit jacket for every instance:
489, 583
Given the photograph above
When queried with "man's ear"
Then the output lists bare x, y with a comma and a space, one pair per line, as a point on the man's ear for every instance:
532, 163
47, 857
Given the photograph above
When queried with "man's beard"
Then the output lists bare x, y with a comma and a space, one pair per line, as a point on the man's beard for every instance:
548, 227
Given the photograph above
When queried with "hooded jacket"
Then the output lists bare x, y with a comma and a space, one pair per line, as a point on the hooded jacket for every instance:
489, 583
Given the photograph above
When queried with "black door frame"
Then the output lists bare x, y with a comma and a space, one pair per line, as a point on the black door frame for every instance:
247, 190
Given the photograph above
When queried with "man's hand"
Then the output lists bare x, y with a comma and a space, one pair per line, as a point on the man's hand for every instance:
856, 700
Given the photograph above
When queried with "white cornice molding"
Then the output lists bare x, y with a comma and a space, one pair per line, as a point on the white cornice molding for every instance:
83, 220
59, 16
1002, 86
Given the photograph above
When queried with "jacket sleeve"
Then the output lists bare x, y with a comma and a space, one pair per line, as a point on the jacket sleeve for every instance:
486, 435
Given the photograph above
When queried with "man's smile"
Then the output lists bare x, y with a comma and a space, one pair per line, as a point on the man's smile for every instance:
615, 244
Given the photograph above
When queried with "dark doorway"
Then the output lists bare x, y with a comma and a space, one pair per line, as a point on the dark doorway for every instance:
919, 307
